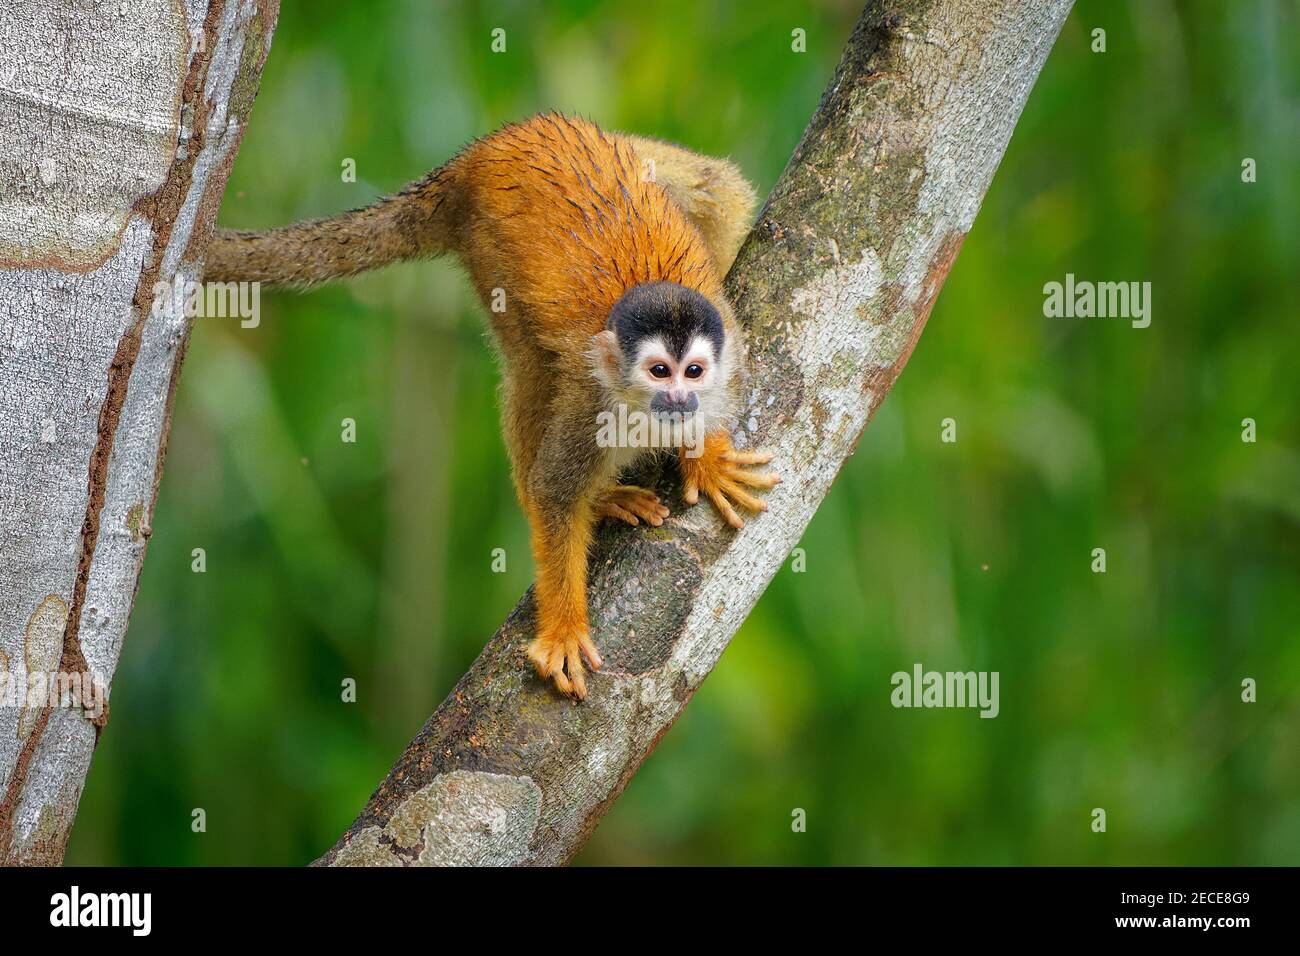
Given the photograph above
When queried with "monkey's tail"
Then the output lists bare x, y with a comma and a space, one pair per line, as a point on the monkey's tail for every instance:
413, 224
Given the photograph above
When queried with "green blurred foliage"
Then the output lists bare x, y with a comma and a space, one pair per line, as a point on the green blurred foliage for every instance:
371, 560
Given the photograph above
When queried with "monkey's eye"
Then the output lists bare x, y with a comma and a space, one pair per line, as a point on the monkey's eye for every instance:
694, 371
659, 371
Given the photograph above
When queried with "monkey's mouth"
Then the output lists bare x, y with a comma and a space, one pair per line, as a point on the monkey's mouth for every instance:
675, 429
674, 409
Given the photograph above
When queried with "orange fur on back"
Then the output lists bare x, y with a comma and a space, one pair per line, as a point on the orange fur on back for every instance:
560, 216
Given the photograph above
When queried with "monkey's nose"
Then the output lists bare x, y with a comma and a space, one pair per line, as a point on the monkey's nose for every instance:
669, 403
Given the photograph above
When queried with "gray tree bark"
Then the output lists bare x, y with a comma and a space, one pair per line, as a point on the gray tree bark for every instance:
119, 123
834, 286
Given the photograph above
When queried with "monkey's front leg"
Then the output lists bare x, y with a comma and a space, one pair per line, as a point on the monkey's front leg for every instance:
560, 536
722, 474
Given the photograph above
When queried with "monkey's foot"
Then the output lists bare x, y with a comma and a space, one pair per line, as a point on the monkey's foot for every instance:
722, 474
557, 655
631, 504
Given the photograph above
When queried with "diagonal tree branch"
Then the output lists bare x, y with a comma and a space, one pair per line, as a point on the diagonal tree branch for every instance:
834, 285
119, 124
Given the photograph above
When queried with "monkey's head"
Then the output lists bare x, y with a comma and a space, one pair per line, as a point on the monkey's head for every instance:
664, 353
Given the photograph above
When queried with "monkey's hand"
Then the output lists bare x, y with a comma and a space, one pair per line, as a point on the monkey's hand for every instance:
631, 504
722, 474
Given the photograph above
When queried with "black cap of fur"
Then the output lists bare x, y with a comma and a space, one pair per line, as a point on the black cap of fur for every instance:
670, 311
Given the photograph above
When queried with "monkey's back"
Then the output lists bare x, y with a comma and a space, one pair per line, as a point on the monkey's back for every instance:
563, 219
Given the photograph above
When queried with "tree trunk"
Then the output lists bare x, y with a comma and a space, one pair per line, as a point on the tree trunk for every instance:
834, 286
120, 125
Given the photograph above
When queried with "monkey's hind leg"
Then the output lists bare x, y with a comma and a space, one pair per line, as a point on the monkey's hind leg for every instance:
713, 193
631, 504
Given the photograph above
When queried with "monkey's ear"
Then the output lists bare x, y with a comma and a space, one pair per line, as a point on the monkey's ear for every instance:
604, 356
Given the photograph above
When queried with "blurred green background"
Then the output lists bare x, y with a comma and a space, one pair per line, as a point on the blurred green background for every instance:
371, 560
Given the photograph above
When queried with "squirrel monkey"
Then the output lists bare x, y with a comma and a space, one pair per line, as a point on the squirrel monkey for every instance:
610, 252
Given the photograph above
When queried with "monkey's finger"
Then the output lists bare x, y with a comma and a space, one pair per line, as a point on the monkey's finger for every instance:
562, 682
618, 511
724, 508
654, 506
539, 655
691, 490
548, 657
577, 676
755, 479
643, 494
743, 498
747, 457
653, 513
589, 652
